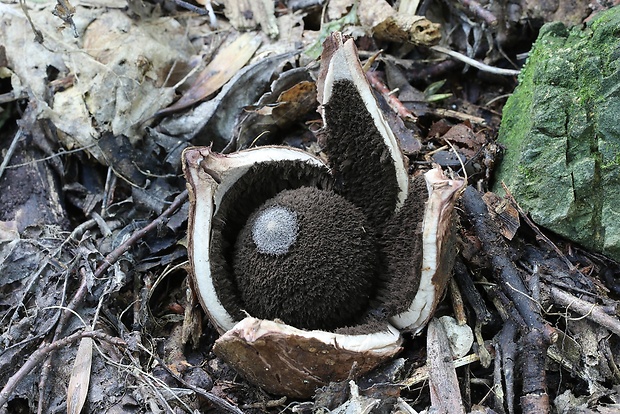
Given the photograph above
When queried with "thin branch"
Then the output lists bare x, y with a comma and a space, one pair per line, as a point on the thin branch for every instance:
66, 313
40, 354
114, 255
591, 311
392, 100
10, 151
217, 401
472, 62
478, 10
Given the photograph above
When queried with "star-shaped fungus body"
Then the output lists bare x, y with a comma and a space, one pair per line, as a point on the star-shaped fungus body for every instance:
308, 269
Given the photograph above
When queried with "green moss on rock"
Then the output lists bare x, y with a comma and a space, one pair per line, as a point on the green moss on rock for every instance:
561, 131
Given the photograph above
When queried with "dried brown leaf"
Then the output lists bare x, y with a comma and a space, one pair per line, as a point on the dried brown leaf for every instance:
80, 377
503, 213
249, 14
338, 8
229, 60
65, 10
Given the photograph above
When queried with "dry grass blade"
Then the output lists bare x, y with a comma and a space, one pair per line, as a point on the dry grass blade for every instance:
80, 377
229, 60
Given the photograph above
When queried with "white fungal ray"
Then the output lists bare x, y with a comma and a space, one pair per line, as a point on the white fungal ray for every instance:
442, 195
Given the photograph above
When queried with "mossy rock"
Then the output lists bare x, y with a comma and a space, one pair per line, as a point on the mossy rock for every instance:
561, 131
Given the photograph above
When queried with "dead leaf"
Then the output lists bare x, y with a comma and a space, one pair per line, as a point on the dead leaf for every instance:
80, 377
338, 8
65, 10
249, 14
463, 134
278, 111
503, 213
212, 122
220, 70
8, 231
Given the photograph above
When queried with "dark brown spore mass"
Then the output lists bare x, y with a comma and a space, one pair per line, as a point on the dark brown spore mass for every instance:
361, 161
326, 278
260, 183
402, 250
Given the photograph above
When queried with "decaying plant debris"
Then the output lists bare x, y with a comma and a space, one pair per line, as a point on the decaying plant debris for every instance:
95, 305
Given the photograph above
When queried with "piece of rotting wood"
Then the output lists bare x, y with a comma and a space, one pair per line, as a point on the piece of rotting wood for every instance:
443, 382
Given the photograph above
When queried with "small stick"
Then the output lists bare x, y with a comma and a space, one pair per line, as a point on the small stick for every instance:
37, 357
10, 151
466, 284
114, 255
457, 303
590, 310
79, 295
534, 227
538, 335
443, 382
480, 11
472, 62
391, 98
507, 348
217, 401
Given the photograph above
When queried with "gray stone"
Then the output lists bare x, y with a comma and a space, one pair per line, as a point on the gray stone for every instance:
561, 131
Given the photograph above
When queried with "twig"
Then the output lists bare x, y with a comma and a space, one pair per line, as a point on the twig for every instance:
463, 279
505, 358
39, 355
66, 313
539, 335
10, 151
480, 11
449, 113
198, 10
52, 156
497, 251
457, 303
12, 96
38, 36
114, 255
591, 311
536, 230
472, 62
443, 382
217, 401
392, 100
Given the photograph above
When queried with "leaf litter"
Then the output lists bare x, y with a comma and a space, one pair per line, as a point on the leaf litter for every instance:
93, 212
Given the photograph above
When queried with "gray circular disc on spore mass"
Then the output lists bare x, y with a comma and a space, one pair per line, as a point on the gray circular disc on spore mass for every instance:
274, 230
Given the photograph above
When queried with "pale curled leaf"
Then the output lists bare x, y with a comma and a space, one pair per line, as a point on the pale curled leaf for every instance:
229, 60
80, 377
249, 14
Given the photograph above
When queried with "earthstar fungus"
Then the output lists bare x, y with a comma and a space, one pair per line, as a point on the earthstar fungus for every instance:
308, 269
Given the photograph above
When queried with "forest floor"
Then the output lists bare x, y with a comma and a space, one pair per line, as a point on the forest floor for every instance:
99, 99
